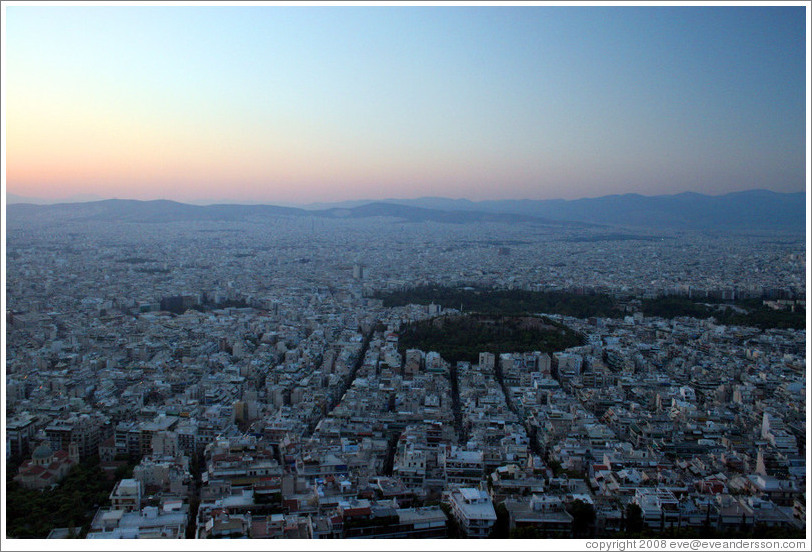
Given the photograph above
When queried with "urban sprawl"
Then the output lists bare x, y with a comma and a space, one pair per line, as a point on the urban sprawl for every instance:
245, 380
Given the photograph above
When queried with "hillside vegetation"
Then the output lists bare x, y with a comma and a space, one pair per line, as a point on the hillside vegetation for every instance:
462, 338
750, 312
503, 301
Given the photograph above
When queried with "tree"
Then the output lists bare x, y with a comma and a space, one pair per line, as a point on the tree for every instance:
34, 513
583, 517
525, 533
501, 527
454, 530
634, 518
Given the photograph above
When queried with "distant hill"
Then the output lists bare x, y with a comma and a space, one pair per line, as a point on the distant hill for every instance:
748, 210
161, 210
754, 210
761, 209
418, 214
130, 210
14, 198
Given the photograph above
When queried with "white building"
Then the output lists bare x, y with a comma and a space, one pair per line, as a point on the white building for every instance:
487, 361
473, 510
410, 466
127, 495
462, 467
659, 506
168, 522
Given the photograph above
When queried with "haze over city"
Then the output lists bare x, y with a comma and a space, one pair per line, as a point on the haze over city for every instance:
300, 104
406, 272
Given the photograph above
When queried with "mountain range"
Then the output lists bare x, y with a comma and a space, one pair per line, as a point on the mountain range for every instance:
753, 210
761, 209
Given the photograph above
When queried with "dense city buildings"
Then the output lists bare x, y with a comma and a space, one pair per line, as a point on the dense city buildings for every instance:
239, 379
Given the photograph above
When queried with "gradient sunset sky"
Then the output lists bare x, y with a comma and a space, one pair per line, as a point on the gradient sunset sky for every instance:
304, 104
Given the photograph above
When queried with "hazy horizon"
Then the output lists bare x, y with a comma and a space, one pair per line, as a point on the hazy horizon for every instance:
11, 198
291, 105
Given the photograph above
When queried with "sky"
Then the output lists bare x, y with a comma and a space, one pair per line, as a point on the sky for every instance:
303, 104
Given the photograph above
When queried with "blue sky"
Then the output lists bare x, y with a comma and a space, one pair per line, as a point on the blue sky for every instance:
328, 103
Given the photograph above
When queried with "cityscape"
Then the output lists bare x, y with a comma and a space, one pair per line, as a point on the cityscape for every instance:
249, 381
478, 318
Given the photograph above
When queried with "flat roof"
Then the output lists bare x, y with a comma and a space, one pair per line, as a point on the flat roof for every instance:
469, 493
412, 515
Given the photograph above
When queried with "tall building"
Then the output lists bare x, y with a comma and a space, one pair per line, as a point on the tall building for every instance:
20, 432
83, 430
